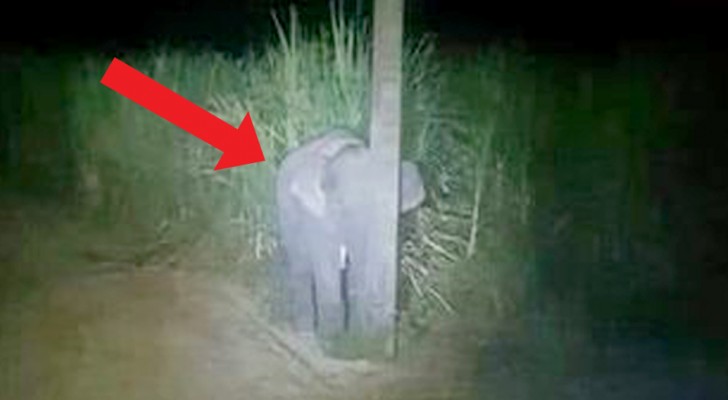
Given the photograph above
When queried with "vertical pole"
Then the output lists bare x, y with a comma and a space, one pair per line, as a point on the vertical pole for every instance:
385, 145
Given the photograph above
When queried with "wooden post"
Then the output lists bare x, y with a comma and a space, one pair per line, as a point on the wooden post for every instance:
381, 294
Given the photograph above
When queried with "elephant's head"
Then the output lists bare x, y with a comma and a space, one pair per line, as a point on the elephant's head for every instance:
337, 167
343, 177
307, 167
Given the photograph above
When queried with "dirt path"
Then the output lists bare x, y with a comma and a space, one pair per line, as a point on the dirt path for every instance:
161, 335
77, 326
74, 332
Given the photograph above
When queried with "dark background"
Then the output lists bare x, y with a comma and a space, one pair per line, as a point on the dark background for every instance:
232, 25
688, 177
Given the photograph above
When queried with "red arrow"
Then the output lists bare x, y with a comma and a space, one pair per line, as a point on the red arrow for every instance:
239, 146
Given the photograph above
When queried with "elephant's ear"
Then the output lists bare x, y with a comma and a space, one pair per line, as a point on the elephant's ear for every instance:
412, 190
310, 186
310, 194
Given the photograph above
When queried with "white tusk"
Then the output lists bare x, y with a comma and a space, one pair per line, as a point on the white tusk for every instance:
343, 257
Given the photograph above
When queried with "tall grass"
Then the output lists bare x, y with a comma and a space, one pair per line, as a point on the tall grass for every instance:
463, 124
473, 234
500, 138
137, 170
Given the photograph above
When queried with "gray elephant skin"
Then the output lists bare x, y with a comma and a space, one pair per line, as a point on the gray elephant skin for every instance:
324, 208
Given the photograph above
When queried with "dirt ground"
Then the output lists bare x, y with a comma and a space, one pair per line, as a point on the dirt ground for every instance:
80, 321
167, 335
75, 326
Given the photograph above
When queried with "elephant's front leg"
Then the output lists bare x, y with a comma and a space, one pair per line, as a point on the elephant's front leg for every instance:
329, 302
301, 281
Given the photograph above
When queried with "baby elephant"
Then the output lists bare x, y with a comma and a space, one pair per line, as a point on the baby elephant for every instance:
323, 195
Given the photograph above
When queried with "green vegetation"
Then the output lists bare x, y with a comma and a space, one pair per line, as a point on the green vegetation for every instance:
535, 172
